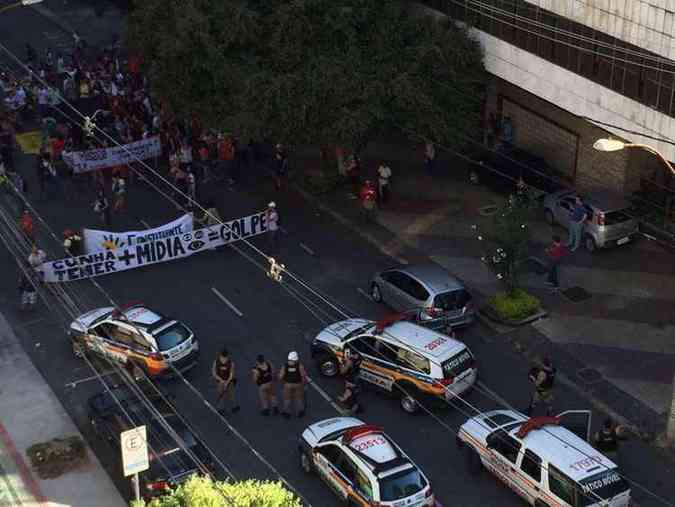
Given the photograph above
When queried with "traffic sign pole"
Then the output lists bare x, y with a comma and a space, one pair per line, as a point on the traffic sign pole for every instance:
137, 487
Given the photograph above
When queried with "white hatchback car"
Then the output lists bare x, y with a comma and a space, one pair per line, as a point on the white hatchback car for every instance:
363, 465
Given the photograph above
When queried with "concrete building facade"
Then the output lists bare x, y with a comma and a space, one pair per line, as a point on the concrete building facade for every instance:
568, 72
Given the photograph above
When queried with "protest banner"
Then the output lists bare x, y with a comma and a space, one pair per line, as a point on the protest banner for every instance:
97, 241
152, 252
91, 160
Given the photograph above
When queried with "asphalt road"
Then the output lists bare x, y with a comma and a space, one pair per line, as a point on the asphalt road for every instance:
273, 323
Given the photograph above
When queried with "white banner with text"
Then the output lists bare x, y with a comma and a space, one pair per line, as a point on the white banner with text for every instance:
91, 160
139, 254
97, 241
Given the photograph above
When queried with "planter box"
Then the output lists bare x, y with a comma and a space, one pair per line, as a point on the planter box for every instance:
490, 314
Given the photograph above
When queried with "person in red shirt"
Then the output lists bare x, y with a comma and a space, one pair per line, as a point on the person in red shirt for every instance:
27, 226
57, 146
555, 252
368, 197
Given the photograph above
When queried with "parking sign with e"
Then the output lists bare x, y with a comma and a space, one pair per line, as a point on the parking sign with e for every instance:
134, 451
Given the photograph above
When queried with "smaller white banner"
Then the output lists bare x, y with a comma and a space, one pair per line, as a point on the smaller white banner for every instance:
91, 160
98, 241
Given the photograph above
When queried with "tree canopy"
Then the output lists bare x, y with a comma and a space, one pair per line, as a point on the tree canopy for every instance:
311, 71
202, 492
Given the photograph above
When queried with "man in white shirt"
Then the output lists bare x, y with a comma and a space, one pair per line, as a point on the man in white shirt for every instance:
36, 259
43, 101
383, 177
272, 221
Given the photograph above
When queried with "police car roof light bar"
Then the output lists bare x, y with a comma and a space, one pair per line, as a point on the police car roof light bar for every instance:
535, 423
360, 431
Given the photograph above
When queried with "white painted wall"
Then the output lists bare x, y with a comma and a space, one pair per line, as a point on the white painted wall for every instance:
576, 94
649, 24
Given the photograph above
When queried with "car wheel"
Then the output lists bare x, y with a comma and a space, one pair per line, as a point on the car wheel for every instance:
407, 401
548, 216
78, 350
328, 366
590, 245
473, 462
375, 293
305, 462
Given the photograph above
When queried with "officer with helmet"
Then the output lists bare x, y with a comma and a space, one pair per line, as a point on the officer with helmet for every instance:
294, 378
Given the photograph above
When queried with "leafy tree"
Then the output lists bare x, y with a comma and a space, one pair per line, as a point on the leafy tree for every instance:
505, 246
202, 492
328, 72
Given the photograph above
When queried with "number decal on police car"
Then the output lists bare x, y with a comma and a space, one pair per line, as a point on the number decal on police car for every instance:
362, 446
435, 344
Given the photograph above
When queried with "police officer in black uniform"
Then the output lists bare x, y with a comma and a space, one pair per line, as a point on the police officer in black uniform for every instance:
543, 378
263, 376
607, 439
350, 369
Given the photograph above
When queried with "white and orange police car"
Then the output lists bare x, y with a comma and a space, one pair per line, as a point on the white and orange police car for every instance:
363, 465
546, 460
155, 343
407, 360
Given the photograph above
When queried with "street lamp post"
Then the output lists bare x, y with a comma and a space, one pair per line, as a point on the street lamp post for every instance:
20, 3
609, 145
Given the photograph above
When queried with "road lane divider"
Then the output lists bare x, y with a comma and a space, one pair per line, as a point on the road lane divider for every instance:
363, 293
307, 249
227, 302
326, 397
145, 224
75, 383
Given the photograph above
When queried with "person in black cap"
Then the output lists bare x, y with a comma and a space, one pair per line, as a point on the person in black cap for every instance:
263, 376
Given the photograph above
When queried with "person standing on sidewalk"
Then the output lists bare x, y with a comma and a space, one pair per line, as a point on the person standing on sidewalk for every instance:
555, 252
543, 378
263, 376
294, 378
272, 221
368, 199
383, 177
223, 373
578, 216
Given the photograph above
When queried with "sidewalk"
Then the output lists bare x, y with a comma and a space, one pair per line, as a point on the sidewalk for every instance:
30, 413
616, 346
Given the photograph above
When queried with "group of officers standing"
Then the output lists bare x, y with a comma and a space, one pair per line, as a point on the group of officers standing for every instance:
293, 378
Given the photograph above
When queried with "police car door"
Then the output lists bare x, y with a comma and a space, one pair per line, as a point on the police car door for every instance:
578, 422
330, 463
502, 460
376, 366
101, 340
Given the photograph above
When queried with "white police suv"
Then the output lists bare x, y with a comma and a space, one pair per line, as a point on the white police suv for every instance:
546, 460
363, 465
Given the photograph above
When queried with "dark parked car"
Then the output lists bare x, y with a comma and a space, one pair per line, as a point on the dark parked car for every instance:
169, 464
500, 169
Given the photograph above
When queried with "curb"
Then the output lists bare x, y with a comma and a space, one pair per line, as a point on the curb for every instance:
50, 15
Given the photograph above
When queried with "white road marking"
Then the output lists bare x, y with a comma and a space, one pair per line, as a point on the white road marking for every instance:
307, 249
227, 302
363, 293
145, 224
74, 383
326, 397
494, 395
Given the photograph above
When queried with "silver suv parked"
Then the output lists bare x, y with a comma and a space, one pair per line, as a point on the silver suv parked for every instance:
610, 219
425, 286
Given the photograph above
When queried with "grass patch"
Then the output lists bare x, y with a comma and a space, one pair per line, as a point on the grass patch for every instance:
516, 305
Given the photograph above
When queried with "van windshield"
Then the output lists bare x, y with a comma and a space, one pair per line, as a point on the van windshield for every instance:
401, 485
604, 485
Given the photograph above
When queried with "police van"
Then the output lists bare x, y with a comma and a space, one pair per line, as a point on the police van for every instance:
157, 344
412, 362
546, 460
362, 465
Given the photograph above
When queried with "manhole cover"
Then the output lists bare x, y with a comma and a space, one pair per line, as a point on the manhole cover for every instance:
576, 294
589, 375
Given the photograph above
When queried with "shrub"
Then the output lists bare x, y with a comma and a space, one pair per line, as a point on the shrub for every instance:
515, 305
202, 492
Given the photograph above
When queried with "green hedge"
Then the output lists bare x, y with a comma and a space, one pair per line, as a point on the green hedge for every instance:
514, 306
